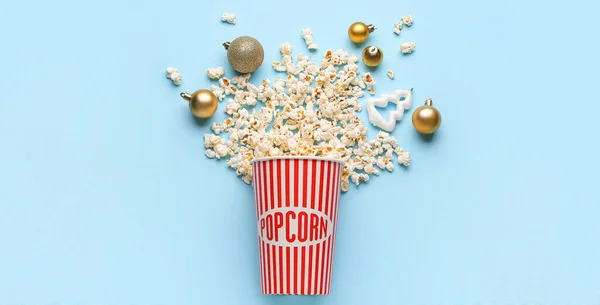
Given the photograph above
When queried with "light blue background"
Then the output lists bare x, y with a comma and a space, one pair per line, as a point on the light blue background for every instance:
106, 196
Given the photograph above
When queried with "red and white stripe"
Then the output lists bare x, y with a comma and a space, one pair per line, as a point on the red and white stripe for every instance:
313, 184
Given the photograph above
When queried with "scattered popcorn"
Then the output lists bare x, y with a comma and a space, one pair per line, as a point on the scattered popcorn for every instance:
407, 19
407, 47
285, 48
174, 75
217, 128
228, 88
397, 27
221, 150
210, 153
229, 18
370, 169
241, 80
218, 91
215, 73
369, 82
389, 154
359, 178
307, 35
381, 162
345, 185
286, 60
247, 179
403, 157
391, 74
312, 111
211, 140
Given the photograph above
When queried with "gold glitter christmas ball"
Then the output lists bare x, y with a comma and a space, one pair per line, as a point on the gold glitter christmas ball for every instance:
245, 54
427, 119
203, 103
372, 56
359, 31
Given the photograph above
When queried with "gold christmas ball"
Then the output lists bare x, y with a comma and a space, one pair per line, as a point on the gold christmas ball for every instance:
372, 56
427, 119
245, 54
359, 31
203, 103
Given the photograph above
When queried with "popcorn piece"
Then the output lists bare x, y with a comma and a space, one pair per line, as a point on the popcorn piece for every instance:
308, 38
407, 19
407, 47
218, 91
345, 186
227, 86
229, 18
279, 67
221, 151
371, 170
211, 140
389, 154
210, 153
403, 157
359, 178
286, 63
286, 48
241, 80
217, 128
397, 27
215, 73
174, 75
369, 82
391, 74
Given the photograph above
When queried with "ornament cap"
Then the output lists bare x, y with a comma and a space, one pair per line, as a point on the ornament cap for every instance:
186, 96
371, 28
428, 102
373, 50
226, 45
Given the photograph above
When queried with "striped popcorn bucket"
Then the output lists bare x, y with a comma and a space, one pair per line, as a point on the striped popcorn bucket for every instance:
296, 210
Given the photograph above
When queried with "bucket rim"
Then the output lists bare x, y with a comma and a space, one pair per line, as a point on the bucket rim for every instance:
298, 158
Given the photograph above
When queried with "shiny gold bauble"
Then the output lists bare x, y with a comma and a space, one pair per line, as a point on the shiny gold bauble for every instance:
245, 54
203, 103
372, 56
359, 31
427, 119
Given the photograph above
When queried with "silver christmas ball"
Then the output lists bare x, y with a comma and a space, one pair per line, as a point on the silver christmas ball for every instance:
245, 54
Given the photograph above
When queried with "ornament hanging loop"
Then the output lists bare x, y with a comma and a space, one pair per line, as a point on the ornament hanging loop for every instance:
371, 28
428, 102
186, 96
226, 45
